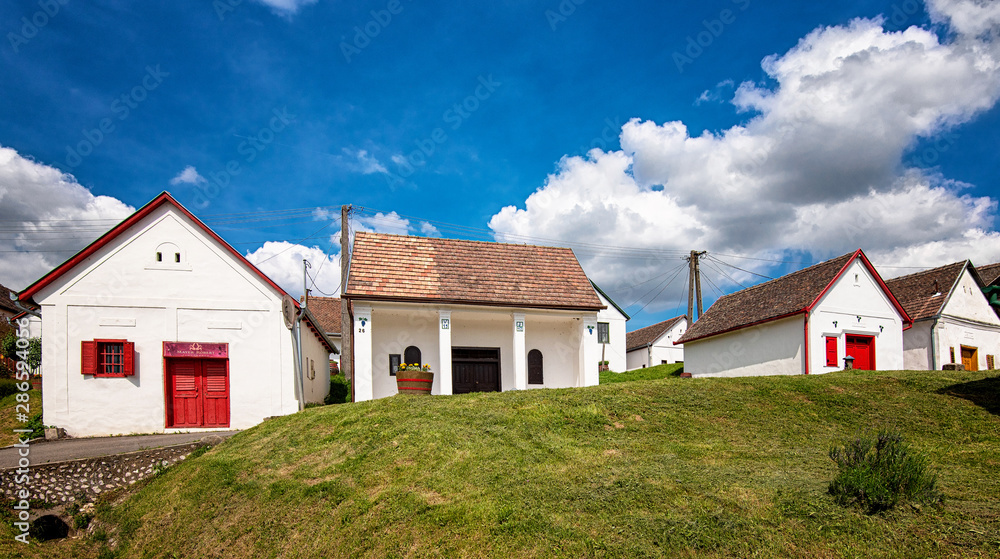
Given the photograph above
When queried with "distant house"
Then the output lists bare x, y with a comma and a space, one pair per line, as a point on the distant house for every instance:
327, 313
654, 345
161, 326
8, 310
484, 316
611, 331
991, 284
804, 323
952, 319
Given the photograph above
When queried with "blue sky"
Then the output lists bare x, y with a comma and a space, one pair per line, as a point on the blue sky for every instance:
872, 125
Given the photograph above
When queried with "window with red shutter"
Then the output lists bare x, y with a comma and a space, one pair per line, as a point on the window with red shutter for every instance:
108, 358
831, 351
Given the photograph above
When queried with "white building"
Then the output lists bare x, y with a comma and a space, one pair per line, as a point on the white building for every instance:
952, 319
611, 331
484, 316
804, 323
327, 312
161, 326
654, 345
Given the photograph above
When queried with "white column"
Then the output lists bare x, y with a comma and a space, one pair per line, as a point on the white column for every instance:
363, 371
442, 378
590, 352
520, 354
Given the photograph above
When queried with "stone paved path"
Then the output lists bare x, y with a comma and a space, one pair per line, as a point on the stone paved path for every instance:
43, 452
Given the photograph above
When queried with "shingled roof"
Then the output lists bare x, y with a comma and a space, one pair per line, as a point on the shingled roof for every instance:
924, 294
646, 336
989, 273
327, 313
5, 302
421, 269
786, 296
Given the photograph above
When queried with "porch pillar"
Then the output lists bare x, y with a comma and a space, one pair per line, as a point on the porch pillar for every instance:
589, 352
363, 371
520, 354
443, 378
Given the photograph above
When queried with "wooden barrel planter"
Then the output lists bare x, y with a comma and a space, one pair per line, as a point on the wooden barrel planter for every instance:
414, 382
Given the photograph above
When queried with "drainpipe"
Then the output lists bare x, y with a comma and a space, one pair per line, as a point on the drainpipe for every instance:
297, 339
805, 342
934, 342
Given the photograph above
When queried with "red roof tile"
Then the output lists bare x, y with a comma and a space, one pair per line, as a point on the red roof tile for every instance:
421, 269
989, 273
646, 336
924, 294
327, 313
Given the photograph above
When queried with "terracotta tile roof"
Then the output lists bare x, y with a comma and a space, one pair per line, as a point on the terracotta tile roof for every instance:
924, 294
646, 336
403, 268
990, 273
327, 313
784, 296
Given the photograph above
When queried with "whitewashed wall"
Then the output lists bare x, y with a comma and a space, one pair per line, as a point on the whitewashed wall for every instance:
122, 292
917, 347
394, 327
614, 352
773, 348
856, 304
968, 320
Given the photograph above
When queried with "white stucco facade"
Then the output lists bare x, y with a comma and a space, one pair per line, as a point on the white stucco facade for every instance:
204, 295
567, 341
661, 351
614, 351
855, 304
967, 320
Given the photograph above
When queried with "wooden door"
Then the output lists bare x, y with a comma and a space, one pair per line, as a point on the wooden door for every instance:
197, 393
862, 349
970, 358
475, 370
536, 373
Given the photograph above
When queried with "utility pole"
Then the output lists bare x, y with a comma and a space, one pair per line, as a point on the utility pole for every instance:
346, 324
694, 283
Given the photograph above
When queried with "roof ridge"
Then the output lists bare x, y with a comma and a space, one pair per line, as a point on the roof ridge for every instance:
965, 263
788, 275
471, 241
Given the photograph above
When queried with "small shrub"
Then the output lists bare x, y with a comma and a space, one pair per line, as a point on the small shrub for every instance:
339, 390
8, 386
35, 424
878, 471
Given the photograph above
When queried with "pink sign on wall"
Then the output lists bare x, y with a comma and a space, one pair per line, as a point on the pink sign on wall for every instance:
196, 349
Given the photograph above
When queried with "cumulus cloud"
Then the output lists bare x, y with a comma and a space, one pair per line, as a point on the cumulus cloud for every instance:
46, 217
818, 167
189, 175
360, 161
282, 262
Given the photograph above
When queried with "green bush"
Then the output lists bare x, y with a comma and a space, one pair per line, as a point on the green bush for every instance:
340, 390
8, 386
877, 471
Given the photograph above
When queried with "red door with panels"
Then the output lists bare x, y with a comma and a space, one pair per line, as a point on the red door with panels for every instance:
862, 349
197, 387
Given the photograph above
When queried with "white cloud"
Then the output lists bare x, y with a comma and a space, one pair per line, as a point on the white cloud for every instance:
286, 7
188, 176
967, 17
428, 230
360, 161
282, 262
818, 168
390, 223
46, 216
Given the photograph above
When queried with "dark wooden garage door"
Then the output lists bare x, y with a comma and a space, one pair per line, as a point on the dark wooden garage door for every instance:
475, 369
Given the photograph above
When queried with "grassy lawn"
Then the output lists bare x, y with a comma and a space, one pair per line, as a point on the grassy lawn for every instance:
652, 468
649, 373
8, 421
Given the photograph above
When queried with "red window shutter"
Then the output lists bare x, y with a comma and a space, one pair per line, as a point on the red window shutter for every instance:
88, 357
831, 352
129, 358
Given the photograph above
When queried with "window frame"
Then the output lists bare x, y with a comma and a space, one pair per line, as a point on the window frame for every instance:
831, 344
606, 331
94, 354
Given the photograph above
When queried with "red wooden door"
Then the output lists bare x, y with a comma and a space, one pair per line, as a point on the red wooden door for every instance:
862, 348
198, 393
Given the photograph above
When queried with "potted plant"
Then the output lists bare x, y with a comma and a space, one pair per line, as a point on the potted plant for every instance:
411, 378
603, 365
